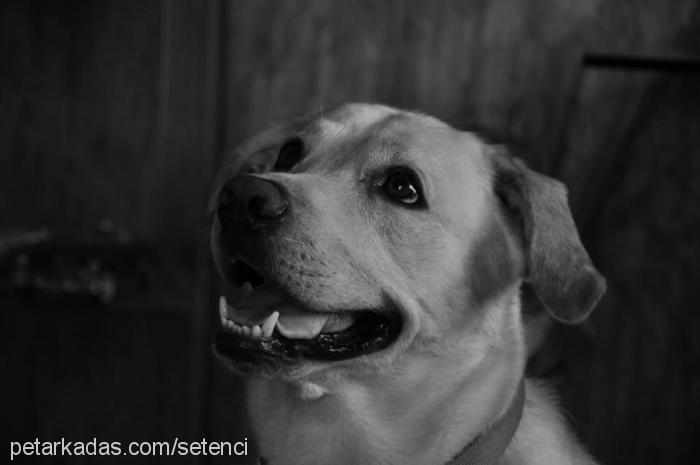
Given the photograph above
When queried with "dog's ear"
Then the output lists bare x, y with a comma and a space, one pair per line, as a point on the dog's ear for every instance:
558, 267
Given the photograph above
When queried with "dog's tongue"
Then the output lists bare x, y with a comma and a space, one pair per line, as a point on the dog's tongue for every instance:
253, 307
296, 324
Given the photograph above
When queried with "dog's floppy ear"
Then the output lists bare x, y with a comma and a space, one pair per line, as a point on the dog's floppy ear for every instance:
558, 267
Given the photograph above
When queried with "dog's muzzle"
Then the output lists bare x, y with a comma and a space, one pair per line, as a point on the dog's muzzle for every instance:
262, 324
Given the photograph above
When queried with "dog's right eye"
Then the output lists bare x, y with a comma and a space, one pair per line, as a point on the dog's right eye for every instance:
290, 154
403, 186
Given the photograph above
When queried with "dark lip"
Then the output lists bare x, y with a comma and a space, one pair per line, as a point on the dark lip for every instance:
372, 332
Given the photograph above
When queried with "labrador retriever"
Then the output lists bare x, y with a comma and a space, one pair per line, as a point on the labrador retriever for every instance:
377, 256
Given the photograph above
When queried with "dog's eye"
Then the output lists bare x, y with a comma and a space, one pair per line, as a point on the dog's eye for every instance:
290, 154
403, 186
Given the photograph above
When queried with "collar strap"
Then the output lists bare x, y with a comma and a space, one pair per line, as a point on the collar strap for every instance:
489, 445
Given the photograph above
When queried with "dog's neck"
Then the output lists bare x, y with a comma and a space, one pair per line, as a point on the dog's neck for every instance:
424, 410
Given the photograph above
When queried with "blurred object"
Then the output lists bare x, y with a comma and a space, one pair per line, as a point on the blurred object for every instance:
15, 239
97, 266
66, 274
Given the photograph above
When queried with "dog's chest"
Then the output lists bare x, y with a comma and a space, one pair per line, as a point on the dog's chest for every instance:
291, 431
313, 446
304, 442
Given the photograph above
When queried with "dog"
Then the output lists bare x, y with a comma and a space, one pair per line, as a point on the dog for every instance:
377, 257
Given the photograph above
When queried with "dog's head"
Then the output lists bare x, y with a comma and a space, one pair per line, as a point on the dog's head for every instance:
364, 233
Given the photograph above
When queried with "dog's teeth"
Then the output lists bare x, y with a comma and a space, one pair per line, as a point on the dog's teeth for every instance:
223, 313
246, 288
258, 331
269, 325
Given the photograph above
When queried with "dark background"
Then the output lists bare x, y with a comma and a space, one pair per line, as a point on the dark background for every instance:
120, 110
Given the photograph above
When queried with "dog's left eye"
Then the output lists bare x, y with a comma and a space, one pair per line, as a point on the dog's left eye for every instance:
291, 152
403, 186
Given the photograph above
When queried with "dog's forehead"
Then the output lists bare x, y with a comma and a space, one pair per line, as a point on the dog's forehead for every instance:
350, 125
357, 116
365, 136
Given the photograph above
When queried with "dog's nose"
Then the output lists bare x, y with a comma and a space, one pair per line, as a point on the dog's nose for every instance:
251, 199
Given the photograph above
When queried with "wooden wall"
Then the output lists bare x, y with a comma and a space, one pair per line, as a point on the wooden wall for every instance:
88, 372
634, 388
504, 65
122, 109
107, 111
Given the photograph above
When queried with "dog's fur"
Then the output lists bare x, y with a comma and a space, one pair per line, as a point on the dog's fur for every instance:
452, 269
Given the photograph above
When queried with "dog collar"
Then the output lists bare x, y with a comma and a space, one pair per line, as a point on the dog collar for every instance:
488, 446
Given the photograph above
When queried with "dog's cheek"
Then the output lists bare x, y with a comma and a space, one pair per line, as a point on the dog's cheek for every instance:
494, 265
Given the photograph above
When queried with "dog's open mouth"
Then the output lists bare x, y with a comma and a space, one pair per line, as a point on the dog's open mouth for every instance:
263, 322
